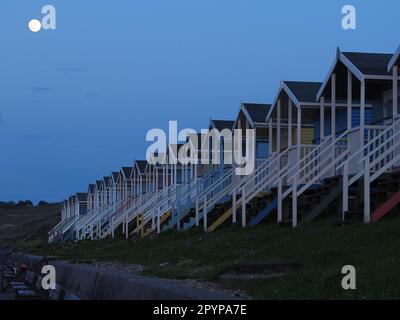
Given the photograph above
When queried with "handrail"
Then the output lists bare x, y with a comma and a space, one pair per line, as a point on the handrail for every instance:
170, 202
322, 172
368, 144
318, 155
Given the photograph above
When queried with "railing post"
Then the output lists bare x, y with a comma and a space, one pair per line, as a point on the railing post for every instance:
126, 228
279, 201
112, 227
345, 207
197, 212
153, 220
294, 201
367, 213
205, 214
244, 207
234, 207
159, 222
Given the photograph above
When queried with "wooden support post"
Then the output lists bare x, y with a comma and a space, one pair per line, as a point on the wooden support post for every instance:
234, 207
395, 92
290, 124
296, 176
345, 206
205, 209
349, 99
126, 228
333, 109
298, 135
362, 114
280, 201
322, 119
197, 212
270, 135
294, 202
367, 195
278, 127
244, 207
159, 221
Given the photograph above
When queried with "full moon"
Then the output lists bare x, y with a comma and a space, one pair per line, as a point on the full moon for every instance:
34, 25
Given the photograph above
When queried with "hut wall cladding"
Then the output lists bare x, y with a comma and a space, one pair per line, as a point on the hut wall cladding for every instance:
341, 121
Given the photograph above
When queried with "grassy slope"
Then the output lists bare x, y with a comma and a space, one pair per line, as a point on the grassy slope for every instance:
322, 247
30, 224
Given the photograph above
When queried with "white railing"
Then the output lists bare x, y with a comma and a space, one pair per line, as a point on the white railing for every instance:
263, 179
231, 185
182, 196
315, 163
380, 154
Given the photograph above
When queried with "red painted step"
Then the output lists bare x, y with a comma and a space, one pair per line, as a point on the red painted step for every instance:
386, 207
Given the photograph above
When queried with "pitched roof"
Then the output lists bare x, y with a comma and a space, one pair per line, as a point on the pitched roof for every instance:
115, 175
257, 112
394, 60
375, 64
223, 124
91, 188
361, 65
82, 196
98, 184
304, 91
106, 180
141, 164
127, 171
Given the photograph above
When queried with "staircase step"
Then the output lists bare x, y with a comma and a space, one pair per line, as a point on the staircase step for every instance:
264, 213
325, 202
386, 207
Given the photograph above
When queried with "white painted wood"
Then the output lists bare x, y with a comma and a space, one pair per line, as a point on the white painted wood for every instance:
367, 193
234, 206
345, 193
205, 215
243, 207
158, 221
290, 123
362, 114
294, 202
322, 118
395, 91
333, 118
279, 201
278, 127
333, 106
349, 99
126, 228
197, 212
270, 136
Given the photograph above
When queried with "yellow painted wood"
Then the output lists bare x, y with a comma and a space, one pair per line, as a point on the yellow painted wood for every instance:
147, 232
261, 194
307, 135
165, 216
220, 220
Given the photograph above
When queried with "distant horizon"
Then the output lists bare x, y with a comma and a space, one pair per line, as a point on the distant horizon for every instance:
76, 102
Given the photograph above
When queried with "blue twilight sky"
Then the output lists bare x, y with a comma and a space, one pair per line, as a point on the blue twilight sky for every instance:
76, 102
